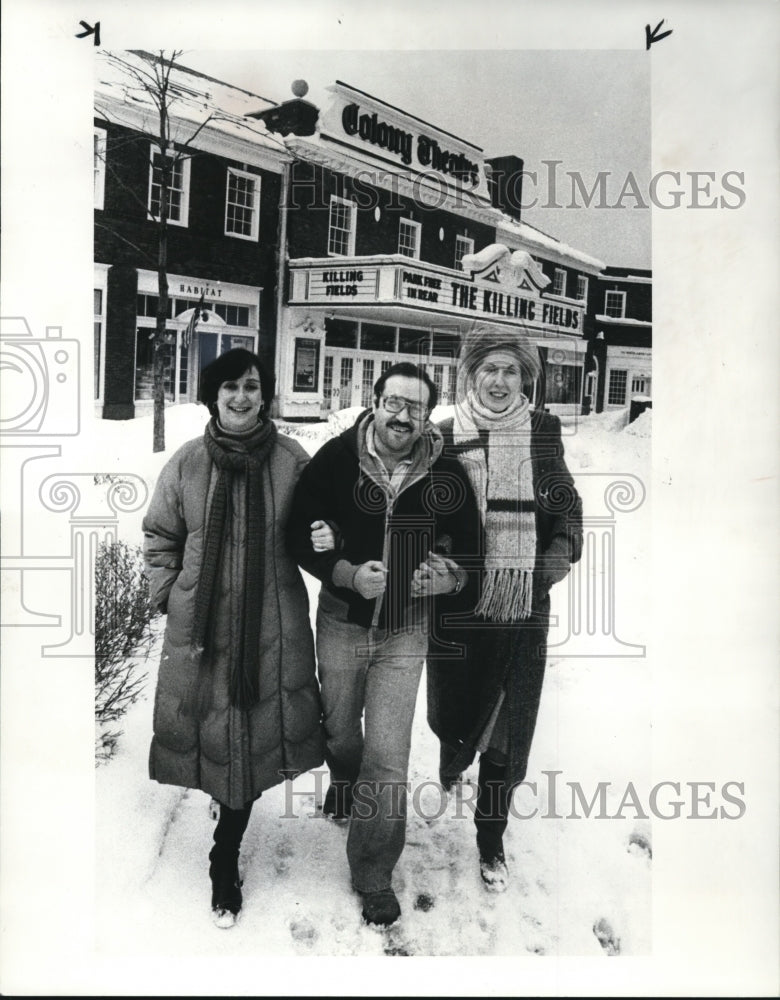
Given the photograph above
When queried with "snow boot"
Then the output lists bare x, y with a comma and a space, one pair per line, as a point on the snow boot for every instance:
493, 869
380, 908
490, 818
338, 801
226, 896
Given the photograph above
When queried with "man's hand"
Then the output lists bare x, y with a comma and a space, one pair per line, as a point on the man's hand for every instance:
436, 575
323, 538
370, 580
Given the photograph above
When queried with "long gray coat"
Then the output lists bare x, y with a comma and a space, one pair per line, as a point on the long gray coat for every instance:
232, 755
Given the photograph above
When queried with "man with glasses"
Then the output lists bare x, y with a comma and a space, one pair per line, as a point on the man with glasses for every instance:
392, 499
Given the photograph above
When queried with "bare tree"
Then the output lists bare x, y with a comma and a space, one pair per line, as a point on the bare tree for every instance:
148, 80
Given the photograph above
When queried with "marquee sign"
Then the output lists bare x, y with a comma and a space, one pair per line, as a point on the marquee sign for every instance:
496, 285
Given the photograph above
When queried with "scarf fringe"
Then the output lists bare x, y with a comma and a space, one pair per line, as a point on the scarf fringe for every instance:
506, 594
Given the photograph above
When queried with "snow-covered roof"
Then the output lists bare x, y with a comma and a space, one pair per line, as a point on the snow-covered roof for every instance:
544, 243
209, 113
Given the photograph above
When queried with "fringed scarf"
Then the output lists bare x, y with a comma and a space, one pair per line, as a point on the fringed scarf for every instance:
498, 463
232, 455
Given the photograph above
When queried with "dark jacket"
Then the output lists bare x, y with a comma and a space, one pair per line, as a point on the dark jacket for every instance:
232, 755
435, 503
462, 694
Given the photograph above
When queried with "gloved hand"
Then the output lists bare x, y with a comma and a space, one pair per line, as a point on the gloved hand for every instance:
553, 564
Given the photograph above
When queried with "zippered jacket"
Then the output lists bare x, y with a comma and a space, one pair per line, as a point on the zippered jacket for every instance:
434, 509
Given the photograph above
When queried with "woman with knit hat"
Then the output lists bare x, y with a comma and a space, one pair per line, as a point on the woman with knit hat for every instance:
487, 703
237, 706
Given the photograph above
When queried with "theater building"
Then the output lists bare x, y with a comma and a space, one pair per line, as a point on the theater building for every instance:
400, 237
221, 237
333, 241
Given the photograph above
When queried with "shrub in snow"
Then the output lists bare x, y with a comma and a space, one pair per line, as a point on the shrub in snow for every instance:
123, 617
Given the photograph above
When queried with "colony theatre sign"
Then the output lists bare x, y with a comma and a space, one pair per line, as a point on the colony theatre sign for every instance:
427, 150
387, 136
496, 285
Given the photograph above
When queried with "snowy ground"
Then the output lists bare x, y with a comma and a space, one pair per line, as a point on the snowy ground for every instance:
580, 886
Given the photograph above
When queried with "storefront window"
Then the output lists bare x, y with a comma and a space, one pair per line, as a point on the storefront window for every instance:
374, 337
445, 345
564, 383
341, 332
147, 306
413, 342
144, 363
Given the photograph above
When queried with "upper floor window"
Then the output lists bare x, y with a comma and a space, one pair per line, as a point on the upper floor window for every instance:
99, 166
341, 227
409, 238
178, 187
463, 246
559, 282
242, 205
582, 287
615, 304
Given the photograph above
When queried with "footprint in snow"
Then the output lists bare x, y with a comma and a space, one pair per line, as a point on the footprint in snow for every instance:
283, 852
606, 936
303, 931
639, 843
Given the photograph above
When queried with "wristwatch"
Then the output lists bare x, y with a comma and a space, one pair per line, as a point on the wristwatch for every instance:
458, 584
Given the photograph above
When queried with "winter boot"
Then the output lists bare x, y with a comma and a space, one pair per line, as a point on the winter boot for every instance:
493, 869
380, 908
490, 818
226, 896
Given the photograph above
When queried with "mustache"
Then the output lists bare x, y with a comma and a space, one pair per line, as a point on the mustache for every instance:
399, 425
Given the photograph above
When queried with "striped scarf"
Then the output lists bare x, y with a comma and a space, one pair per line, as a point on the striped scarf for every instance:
244, 456
495, 450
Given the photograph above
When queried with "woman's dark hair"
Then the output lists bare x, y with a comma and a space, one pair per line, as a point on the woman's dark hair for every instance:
408, 370
231, 365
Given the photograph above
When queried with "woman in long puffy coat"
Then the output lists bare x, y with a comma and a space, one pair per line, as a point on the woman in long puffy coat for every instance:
237, 705
487, 703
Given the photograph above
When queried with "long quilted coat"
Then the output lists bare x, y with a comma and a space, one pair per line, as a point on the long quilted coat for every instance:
232, 754
462, 695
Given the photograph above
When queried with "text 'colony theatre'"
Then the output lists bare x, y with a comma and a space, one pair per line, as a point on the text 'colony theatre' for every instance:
334, 242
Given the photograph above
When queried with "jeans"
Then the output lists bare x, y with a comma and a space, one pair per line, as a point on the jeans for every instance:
362, 669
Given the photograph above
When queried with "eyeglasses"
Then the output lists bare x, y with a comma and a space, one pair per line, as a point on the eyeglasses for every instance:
394, 404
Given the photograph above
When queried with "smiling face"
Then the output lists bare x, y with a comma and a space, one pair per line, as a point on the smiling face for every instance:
239, 401
396, 433
498, 380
